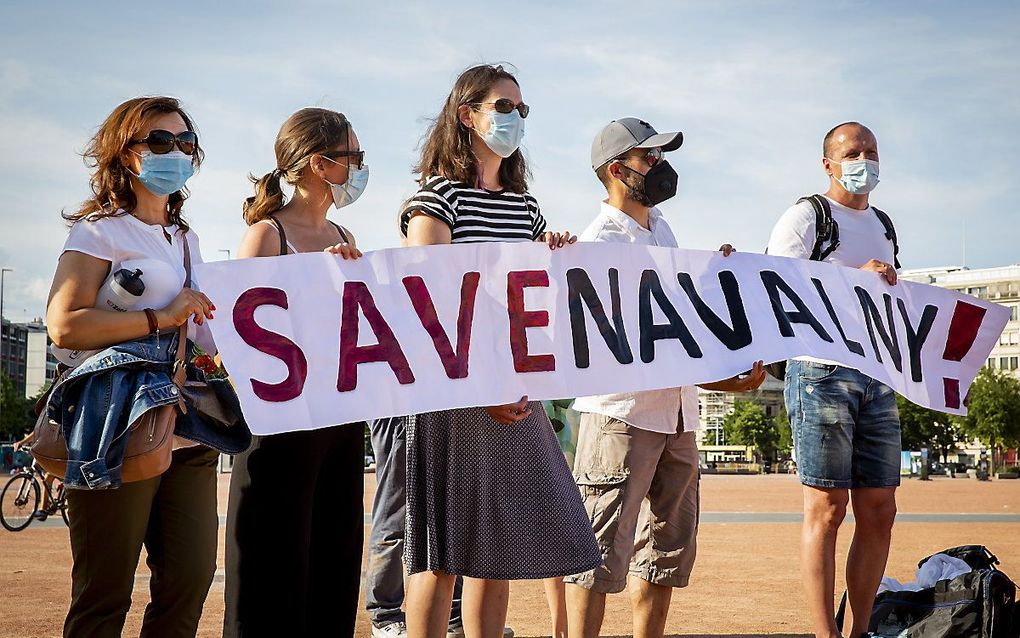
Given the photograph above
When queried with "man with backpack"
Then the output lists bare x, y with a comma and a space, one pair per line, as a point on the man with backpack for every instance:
845, 424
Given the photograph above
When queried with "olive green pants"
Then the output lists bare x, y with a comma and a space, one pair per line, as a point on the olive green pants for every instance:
174, 517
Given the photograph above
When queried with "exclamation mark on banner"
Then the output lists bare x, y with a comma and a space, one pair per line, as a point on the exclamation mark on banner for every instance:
963, 330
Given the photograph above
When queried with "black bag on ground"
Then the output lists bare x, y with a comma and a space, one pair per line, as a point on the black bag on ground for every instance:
978, 604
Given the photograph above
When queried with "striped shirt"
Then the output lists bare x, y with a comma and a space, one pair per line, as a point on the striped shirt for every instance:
476, 214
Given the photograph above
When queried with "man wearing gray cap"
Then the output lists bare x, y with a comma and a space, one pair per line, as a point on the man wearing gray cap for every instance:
636, 461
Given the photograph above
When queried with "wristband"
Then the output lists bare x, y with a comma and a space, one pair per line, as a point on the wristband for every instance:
150, 315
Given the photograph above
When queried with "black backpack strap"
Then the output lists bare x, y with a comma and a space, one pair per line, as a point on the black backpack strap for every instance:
283, 235
826, 228
890, 234
340, 229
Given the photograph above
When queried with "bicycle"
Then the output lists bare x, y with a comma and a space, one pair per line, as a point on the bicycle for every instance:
19, 500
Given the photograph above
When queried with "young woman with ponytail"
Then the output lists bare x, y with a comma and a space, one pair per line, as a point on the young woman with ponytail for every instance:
489, 494
295, 518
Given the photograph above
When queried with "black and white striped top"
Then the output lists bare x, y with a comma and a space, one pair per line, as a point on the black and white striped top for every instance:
476, 214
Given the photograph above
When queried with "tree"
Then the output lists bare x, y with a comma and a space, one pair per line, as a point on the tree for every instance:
748, 425
782, 421
15, 411
922, 427
993, 416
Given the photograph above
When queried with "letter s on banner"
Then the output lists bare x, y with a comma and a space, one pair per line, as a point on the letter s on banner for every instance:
271, 343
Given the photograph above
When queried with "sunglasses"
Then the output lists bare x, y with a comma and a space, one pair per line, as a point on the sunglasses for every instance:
357, 162
652, 157
162, 142
506, 105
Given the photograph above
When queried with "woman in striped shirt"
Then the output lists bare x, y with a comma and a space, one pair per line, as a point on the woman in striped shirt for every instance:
489, 494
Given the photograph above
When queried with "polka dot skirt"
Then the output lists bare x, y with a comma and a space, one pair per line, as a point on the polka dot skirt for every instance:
487, 500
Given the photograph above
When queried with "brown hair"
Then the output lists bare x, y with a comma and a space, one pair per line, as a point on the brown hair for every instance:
307, 132
447, 148
111, 180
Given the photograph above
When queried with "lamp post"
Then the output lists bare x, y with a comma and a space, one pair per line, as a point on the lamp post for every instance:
3, 271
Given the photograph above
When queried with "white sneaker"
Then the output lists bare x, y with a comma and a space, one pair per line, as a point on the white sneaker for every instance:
458, 632
393, 630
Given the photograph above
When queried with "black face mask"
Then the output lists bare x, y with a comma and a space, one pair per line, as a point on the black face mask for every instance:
655, 186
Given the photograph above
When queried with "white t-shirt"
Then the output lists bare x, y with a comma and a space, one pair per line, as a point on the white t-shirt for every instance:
861, 235
861, 239
125, 238
652, 410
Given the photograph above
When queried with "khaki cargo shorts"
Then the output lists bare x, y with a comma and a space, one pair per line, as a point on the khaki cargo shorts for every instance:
640, 490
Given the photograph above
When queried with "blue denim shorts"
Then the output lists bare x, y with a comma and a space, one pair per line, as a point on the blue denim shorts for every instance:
846, 427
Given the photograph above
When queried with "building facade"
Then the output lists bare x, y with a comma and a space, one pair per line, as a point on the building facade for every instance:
25, 356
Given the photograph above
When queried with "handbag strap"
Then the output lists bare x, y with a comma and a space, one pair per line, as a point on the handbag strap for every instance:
182, 332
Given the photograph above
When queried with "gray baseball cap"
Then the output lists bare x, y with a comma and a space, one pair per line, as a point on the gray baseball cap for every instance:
619, 136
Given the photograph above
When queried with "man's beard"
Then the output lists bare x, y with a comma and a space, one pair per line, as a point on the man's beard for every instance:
636, 194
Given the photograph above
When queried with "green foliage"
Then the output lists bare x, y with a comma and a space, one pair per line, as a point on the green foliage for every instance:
993, 416
16, 417
748, 425
782, 421
922, 427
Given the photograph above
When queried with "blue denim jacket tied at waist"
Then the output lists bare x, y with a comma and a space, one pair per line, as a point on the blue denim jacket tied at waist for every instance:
96, 403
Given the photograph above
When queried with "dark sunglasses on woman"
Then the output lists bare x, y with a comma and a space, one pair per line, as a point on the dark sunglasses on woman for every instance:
506, 105
357, 161
162, 142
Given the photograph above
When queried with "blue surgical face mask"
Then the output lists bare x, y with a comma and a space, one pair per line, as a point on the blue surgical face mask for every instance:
506, 130
166, 173
347, 193
859, 176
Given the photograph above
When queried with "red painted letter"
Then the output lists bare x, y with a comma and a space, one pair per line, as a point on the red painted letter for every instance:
456, 365
521, 320
271, 343
357, 295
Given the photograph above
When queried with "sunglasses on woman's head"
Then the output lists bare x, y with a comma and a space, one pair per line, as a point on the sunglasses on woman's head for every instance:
506, 105
161, 142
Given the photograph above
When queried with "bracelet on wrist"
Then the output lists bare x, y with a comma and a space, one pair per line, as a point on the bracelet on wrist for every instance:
150, 315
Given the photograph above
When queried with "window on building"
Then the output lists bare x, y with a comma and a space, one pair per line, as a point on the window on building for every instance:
1013, 361
1003, 363
978, 291
991, 364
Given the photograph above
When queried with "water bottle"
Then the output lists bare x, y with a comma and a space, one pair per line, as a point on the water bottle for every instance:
121, 292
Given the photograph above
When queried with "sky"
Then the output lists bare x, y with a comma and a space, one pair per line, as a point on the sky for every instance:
753, 86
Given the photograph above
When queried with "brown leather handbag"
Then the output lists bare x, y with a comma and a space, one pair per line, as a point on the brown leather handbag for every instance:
150, 440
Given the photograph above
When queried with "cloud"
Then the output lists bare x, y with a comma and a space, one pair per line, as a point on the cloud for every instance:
752, 85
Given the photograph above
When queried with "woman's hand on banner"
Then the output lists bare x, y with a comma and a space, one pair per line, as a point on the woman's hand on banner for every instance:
882, 268
511, 412
345, 251
557, 240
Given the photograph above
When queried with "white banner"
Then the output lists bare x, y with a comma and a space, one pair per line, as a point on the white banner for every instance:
311, 340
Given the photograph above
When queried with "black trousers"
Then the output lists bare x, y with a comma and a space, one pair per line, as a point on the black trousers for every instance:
295, 528
174, 517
